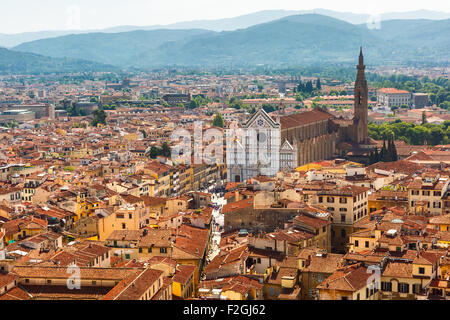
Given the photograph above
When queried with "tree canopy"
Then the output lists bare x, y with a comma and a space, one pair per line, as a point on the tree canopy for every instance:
218, 121
433, 134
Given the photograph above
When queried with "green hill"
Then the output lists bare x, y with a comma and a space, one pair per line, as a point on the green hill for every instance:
12, 62
308, 39
119, 49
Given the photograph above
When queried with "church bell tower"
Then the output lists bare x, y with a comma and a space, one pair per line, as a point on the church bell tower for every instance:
360, 121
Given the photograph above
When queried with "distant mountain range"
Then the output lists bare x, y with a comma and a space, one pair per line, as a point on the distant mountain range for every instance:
307, 39
12, 62
228, 24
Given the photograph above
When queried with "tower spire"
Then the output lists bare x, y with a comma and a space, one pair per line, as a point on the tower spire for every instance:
361, 102
361, 57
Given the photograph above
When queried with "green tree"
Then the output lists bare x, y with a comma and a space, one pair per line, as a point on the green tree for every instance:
99, 117
394, 154
218, 121
260, 87
165, 150
318, 84
384, 156
154, 152
268, 108
193, 104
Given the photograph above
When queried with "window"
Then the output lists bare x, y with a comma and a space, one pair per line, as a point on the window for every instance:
356, 243
342, 200
163, 250
342, 217
422, 270
94, 283
124, 226
324, 229
49, 281
342, 233
386, 286
149, 250
140, 250
320, 199
416, 288
130, 216
367, 244
403, 287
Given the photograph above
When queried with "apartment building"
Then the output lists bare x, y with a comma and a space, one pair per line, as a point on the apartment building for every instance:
426, 193
348, 205
390, 97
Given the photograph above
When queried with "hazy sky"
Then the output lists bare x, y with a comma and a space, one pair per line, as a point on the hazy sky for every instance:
36, 15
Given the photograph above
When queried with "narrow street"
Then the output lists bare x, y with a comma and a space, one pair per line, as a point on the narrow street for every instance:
217, 225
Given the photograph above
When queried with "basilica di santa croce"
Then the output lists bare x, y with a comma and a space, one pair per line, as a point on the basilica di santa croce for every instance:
308, 136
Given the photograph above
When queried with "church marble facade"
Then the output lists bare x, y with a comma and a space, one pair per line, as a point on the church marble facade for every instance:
307, 136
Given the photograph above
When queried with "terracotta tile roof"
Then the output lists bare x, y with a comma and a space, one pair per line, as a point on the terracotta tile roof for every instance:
444, 219
398, 269
183, 273
6, 279
156, 238
153, 201
311, 221
54, 292
61, 272
16, 293
349, 278
237, 205
392, 91
191, 241
236, 255
134, 286
125, 235
276, 276
303, 118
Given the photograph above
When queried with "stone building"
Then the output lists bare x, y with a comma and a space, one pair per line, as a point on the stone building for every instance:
44, 110
305, 137
390, 97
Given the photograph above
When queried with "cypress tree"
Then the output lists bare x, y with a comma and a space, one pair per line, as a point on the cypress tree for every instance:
394, 152
384, 151
371, 157
389, 151
377, 156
